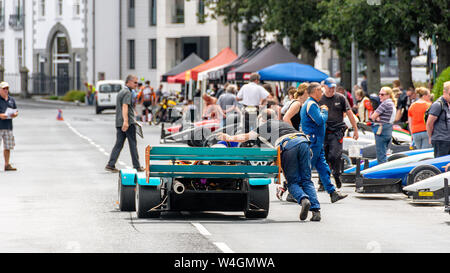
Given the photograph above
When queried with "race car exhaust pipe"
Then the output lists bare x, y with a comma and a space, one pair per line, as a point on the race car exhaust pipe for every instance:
179, 188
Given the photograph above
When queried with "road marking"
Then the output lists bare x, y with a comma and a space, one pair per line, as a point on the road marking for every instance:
98, 147
203, 231
224, 248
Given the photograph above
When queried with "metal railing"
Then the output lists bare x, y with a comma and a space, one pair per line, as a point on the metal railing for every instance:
44, 85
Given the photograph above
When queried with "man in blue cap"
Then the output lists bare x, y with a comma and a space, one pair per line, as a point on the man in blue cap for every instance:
338, 106
313, 119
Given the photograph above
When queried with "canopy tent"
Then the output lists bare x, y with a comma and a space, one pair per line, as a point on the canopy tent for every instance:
292, 72
221, 74
225, 56
272, 54
205, 74
190, 62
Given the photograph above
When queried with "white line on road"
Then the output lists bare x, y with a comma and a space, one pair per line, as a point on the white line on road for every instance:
99, 148
203, 231
224, 248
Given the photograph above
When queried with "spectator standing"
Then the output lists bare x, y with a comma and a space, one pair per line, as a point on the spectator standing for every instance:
159, 93
125, 126
313, 122
290, 99
222, 90
383, 118
438, 123
416, 120
252, 96
403, 105
293, 115
147, 98
364, 83
8, 112
211, 109
228, 102
338, 106
364, 106
341, 90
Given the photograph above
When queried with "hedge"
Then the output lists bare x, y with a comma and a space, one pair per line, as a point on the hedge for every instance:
438, 88
75, 95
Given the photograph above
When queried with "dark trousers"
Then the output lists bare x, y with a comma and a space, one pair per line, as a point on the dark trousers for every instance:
296, 163
129, 135
333, 152
441, 148
250, 121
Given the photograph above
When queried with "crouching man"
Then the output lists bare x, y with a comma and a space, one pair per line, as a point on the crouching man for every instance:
295, 159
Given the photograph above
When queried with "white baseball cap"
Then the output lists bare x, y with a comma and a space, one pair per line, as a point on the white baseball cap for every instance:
3, 85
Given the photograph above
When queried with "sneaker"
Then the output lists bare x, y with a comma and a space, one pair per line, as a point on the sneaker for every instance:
111, 169
140, 169
291, 198
9, 168
321, 188
305, 209
280, 193
316, 216
336, 196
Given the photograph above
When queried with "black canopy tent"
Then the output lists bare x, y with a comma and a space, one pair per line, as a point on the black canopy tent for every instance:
272, 54
190, 62
221, 74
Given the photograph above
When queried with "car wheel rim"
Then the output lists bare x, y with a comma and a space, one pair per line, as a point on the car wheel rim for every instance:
422, 175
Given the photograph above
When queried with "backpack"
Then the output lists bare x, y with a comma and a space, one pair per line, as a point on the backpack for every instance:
427, 113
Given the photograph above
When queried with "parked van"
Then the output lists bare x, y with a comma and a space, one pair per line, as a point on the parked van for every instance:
106, 94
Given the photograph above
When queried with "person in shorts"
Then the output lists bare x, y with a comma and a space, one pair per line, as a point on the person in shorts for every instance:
8, 112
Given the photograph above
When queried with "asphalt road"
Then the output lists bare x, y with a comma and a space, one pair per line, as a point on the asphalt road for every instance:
62, 200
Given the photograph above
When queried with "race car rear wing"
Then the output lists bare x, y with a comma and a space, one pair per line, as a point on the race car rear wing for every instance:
215, 162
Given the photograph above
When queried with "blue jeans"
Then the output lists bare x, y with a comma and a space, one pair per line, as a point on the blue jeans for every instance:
421, 140
296, 163
382, 141
319, 162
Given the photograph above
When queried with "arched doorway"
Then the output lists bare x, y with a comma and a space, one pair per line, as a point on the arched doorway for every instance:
60, 63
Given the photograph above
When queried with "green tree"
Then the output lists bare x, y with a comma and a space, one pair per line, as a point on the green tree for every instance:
298, 20
249, 13
366, 24
438, 23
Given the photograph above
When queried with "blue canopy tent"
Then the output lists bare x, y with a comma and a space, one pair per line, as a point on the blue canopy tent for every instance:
292, 72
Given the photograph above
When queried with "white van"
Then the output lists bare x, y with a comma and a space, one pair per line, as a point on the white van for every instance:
106, 95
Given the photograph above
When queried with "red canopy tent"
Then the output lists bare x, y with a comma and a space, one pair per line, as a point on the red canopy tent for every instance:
226, 56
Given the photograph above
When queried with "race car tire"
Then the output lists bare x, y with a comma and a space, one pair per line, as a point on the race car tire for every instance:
422, 172
147, 198
396, 156
258, 198
126, 197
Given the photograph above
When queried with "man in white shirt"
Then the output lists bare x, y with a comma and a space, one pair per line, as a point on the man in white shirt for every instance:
251, 96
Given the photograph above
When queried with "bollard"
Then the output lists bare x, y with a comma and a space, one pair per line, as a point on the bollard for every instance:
60, 115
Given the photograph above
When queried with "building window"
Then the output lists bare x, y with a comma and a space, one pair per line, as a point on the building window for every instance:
201, 11
131, 13
19, 53
153, 17
42, 8
131, 55
2, 52
60, 7
76, 8
152, 53
178, 12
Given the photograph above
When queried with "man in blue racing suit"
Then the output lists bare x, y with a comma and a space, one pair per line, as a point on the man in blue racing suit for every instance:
313, 119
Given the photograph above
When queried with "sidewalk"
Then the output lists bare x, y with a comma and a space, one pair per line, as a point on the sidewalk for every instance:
41, 99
